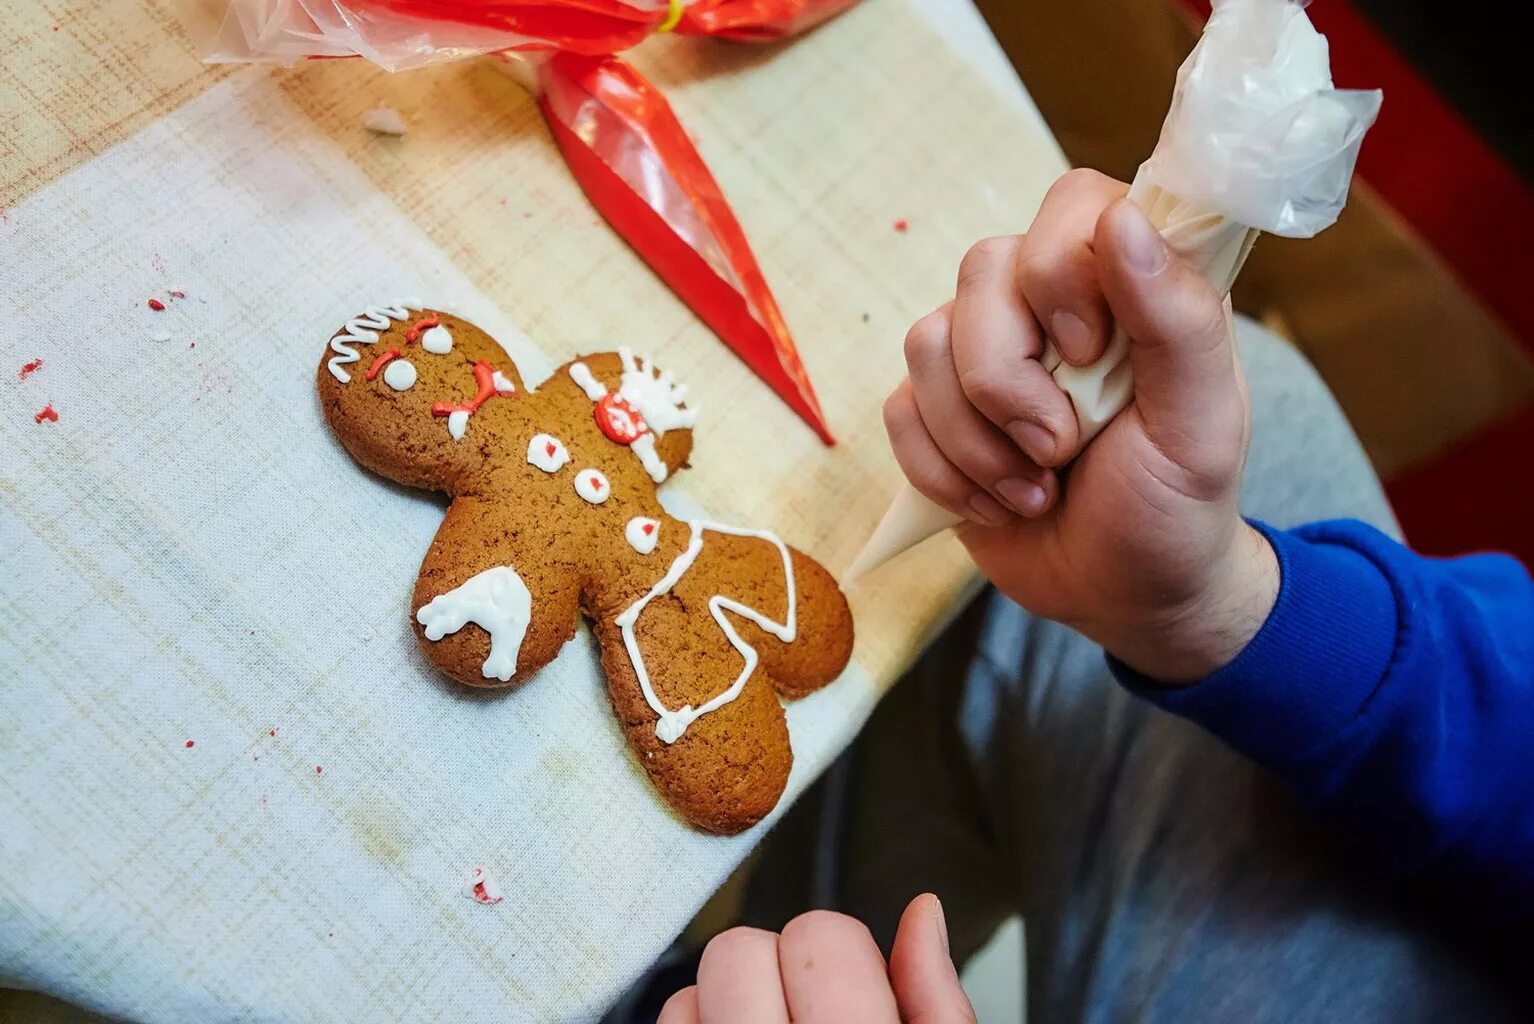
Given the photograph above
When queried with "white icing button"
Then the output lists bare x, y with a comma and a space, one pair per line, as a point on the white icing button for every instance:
642, 533
502, 385
547, 452
591, 485
399, 374
437, 341
458, 423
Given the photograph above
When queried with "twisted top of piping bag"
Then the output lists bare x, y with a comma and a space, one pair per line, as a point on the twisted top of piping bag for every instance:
1256, 131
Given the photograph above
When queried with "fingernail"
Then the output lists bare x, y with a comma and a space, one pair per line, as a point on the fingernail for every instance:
942, 924
1142, 244
1024, 495
987, 510
1038, 442
1071, 333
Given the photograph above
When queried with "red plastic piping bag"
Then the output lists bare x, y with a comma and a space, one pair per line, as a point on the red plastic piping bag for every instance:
635, 162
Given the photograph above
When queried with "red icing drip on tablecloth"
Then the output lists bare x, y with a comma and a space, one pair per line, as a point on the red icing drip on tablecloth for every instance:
29, 369
48, 412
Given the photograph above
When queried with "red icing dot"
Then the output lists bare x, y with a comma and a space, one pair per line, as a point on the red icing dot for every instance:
190, 744
47, 412
318, 769
596, 483
549, 449
649, 528
902, 225
619, 420
156, 305
29, 369
271, 732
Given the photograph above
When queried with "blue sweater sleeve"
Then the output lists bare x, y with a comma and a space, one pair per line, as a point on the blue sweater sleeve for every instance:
1395, 694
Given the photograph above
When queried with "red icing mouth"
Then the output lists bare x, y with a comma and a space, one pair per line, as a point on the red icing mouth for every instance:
484, 379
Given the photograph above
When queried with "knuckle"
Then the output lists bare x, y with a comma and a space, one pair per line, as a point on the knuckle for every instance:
1041, 269
894, 416
932, 483
991, 393
1207, 315
1081, 181
926, 339
984, 256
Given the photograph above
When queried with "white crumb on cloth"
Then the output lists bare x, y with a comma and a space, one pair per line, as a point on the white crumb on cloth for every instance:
384, 121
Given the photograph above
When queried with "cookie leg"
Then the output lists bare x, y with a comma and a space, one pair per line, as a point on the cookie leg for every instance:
727, 768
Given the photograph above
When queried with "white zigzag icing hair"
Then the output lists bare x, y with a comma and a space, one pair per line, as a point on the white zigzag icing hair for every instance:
363, 330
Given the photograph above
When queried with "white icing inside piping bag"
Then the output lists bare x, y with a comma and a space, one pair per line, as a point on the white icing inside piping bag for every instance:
1256, 140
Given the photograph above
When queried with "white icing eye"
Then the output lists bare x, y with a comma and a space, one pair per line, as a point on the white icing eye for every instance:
642, 533
399, 374
458, 423
437, 341
592, 485
547, 452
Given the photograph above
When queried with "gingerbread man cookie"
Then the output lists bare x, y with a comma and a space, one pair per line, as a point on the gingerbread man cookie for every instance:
702, 626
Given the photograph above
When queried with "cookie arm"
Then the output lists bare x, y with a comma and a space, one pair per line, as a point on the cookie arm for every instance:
487, 610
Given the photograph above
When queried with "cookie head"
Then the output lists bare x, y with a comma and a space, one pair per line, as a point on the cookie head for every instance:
400, 385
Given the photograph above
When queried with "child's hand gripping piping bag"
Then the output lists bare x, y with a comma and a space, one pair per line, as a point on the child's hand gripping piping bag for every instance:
1256, 139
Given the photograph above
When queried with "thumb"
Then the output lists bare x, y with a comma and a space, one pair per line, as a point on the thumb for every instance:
1186, 380
921, 971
